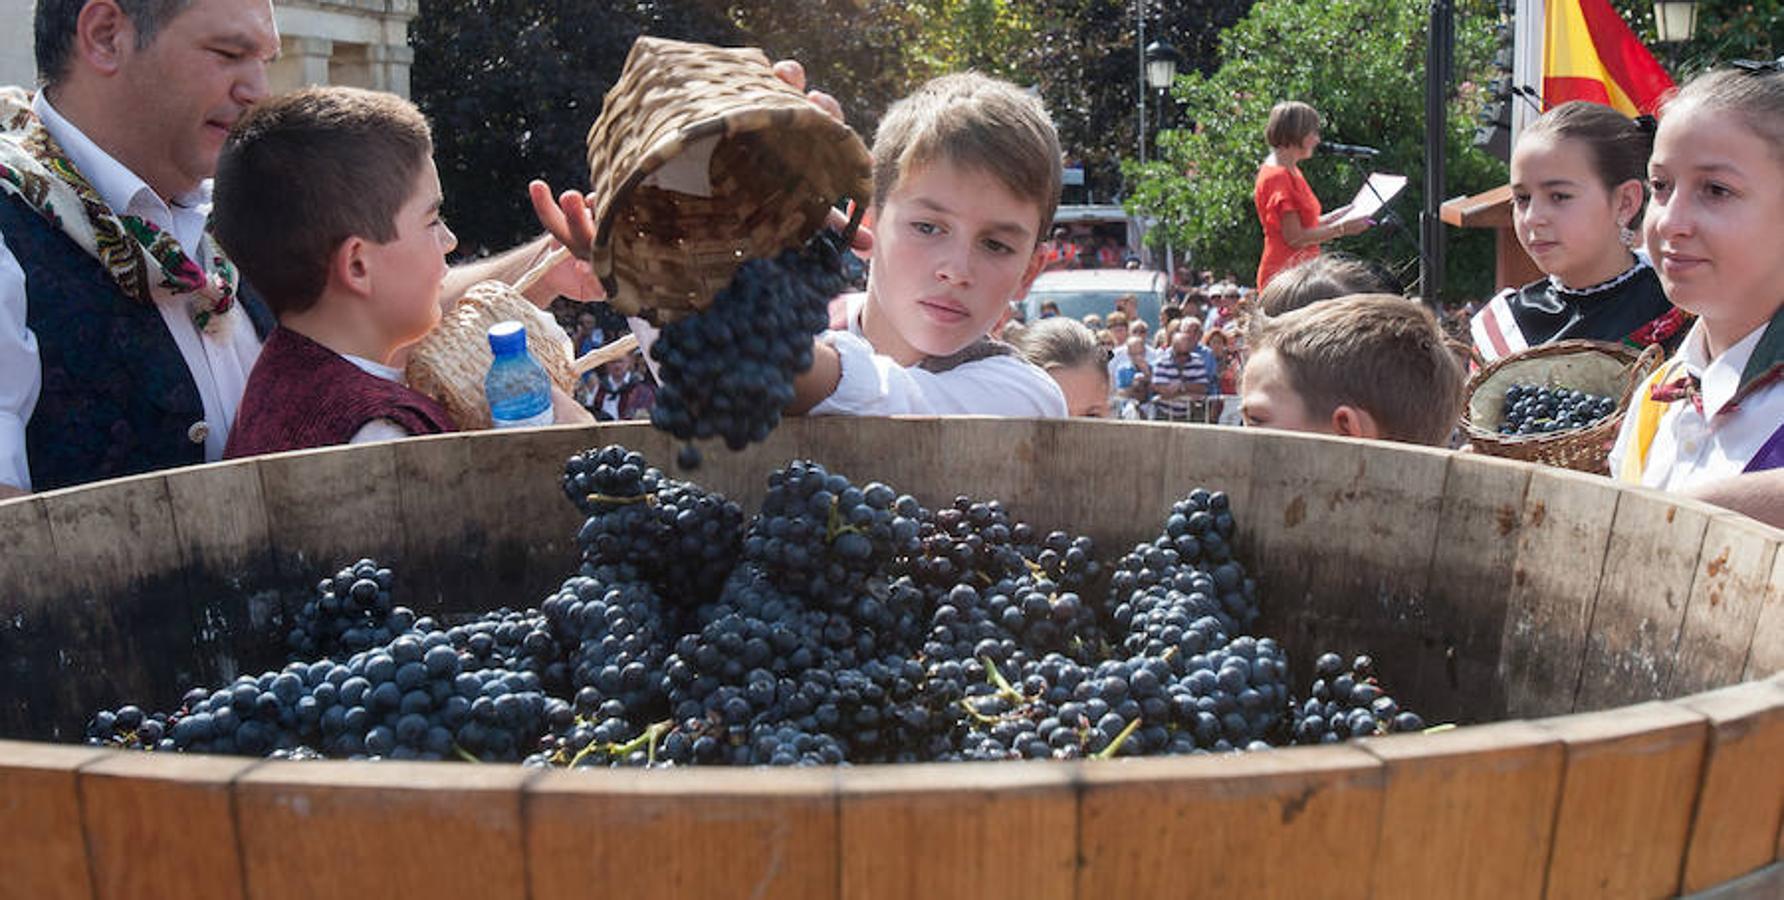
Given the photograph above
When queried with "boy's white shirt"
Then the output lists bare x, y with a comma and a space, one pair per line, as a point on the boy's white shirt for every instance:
876, 385
1691, 448
377, 429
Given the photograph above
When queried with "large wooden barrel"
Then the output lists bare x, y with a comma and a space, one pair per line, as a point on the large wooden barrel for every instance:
1621, 647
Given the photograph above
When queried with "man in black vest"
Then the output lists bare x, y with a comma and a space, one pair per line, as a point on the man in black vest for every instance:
126, 338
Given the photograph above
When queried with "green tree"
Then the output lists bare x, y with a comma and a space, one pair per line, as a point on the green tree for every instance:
1361, 63
1084, 58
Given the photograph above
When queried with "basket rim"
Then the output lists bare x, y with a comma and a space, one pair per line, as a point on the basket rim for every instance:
1637, 363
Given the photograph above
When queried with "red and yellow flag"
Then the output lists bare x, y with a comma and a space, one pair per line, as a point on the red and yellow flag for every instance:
1589, 53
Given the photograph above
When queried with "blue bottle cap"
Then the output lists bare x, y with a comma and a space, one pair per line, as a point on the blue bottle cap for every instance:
507, 337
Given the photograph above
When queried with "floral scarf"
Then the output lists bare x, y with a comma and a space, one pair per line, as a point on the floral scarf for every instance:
146, 262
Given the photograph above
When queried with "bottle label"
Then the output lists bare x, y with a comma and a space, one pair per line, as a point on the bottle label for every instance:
547, 417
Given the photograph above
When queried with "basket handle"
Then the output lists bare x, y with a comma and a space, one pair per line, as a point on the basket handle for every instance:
604, 354
1640, 370
545, 264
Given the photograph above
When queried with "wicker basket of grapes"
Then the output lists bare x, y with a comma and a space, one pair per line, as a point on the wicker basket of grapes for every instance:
1558, 404
702, 159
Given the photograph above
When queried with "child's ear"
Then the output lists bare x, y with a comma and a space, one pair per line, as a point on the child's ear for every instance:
349, 269
1626, 202
1036, 262
1351, 421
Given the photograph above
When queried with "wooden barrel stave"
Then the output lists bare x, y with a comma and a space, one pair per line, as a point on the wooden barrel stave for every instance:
1689, 768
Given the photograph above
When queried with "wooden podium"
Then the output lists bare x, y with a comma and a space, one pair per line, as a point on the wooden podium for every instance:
1512, 267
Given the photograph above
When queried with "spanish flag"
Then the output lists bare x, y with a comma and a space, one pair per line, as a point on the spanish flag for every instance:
1589, 53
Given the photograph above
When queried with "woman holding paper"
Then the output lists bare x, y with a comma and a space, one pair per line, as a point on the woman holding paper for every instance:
1293, 224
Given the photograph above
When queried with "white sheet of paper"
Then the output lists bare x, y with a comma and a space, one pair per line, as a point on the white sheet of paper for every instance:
1373, 195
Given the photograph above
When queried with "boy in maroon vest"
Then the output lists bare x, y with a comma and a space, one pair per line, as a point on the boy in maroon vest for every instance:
328, 200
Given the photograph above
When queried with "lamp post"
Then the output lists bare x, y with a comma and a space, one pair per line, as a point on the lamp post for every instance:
1674, 23
1161, 69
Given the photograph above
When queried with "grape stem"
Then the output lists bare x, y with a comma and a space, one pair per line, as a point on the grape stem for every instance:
1115, 745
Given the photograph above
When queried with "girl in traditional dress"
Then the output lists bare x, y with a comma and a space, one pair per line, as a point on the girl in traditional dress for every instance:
1577, 181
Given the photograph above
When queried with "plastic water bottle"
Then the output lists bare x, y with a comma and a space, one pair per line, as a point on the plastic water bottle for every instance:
518, 389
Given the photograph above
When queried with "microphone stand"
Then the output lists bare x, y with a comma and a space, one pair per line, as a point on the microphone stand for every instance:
1386, 216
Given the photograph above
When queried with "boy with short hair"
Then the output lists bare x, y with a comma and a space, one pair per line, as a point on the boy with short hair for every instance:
1367, 365
328, 200
966, 180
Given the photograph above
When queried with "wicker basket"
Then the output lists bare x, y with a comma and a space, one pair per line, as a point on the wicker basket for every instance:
701, 159
450, 363
1595, 367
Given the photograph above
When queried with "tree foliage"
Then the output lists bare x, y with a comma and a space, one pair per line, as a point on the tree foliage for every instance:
1361, 64
1726, 30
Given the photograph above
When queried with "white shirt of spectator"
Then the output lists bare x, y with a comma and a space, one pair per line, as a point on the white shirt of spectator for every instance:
1691, 448
219, 363
875, 385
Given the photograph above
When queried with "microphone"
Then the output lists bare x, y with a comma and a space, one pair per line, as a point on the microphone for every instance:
1353, 151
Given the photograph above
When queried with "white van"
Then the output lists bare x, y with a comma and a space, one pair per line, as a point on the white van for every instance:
1080, 292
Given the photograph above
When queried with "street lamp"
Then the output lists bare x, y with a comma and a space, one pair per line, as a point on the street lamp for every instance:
1675, 20
1161, 69
1161, 65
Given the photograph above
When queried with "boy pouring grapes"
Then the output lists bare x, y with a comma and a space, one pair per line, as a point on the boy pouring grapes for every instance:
966, 179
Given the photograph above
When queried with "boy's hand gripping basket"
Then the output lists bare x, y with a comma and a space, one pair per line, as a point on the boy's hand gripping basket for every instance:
703, 159
1596, 367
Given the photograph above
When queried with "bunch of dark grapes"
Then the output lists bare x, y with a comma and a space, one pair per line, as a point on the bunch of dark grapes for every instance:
1190, 567
847, 624
1540, 409
1349, 702
352, 612
728, 371
519, 641
819, 535
619, 633
684, 538
128, 728
970, 542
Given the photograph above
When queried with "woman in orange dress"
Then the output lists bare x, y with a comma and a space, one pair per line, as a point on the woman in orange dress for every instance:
1293, 224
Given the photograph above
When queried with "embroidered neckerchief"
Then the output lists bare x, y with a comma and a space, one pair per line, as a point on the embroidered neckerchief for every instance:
1602, 286
147, 264
1764, 367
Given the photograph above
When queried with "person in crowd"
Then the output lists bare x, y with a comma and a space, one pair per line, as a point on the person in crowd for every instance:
589, 335
1226, 377
1367, 365
1324, 277
1108, 253
1049, 309
1130, 374
351, 265
126, 335
1223, 307
1070, 353
1294, 226
1180, 381
1093, 321
622, 390
1168, 318
1710, 421
1117, 325
1138, 328
1577, 181
1062, 252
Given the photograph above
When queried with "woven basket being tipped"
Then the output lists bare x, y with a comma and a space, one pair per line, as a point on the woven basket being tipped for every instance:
703, 159
1595, 367
450, 363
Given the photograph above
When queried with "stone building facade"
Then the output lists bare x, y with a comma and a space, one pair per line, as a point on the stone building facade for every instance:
362, 43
